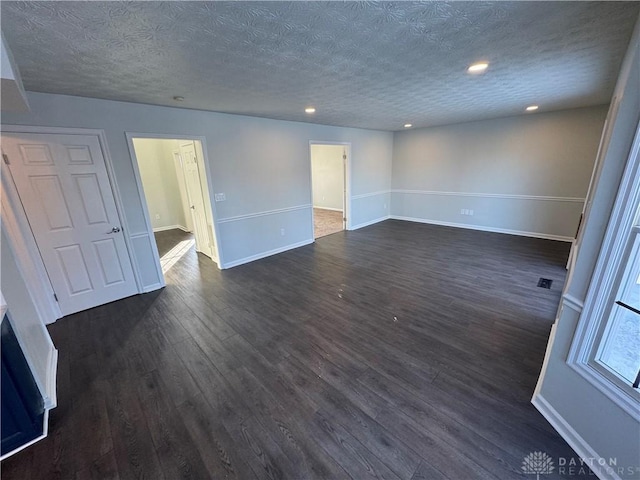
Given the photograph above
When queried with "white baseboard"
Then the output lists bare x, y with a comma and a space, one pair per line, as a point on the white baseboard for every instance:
170, 227
507, 231
328, 208
370, 222
575, 441
258, 256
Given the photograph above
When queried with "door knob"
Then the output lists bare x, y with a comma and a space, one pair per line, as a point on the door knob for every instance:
115, 230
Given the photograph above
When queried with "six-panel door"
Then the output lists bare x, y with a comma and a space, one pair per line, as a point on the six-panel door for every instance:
63, 185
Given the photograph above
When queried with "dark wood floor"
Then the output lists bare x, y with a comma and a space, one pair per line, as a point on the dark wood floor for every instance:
396, 351
168, 239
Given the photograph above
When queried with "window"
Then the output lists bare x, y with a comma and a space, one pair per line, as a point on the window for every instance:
606, 346
619, 347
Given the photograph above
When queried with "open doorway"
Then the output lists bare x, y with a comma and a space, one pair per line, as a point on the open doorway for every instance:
176, 194
329, 188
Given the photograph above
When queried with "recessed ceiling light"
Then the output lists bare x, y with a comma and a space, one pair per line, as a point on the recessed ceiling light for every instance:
408, 125
478, 67
531, 108
310, 110
178, 98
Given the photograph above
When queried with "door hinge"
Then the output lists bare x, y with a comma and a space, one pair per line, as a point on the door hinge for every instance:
5, 158
55, 297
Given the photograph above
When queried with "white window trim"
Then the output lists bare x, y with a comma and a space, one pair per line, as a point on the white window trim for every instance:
603, 288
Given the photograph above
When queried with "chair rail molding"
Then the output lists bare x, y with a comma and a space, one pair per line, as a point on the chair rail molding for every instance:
491, 195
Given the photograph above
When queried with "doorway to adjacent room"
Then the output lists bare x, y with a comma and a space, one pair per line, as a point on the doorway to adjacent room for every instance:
329, 188
176, 196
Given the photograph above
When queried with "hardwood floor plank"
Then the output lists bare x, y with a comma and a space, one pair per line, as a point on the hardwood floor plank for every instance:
175, 448
210, 344
432, 449
341, 380
91, 433
400, 459
133, 447
354, 457
431, 419
222, 400
104, 468
217, 449
19, 465
400, 350
427, 472
284, 428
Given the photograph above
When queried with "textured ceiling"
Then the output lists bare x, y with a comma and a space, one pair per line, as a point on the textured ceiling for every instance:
361, 64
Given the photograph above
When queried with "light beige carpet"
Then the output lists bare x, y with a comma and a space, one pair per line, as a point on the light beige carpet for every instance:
326, 222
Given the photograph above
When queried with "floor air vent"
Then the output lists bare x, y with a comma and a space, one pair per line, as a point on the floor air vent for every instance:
545, 283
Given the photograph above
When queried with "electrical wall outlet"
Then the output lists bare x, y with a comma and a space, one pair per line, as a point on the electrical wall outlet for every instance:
220, 197
282, 232
466, 211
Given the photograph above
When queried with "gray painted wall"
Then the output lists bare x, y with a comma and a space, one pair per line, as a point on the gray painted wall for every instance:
327, 172
527, 174
262, 166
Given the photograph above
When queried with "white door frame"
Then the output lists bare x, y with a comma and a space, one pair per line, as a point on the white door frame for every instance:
347, 182
143, 200
21, 237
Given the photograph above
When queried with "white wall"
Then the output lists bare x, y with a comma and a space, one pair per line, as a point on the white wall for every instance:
160, 182
527, 174
30, 331
587, 419
261, 165
327, 173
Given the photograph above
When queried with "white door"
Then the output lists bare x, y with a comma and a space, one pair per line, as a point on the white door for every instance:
196, 198
182, 186
344, 189
63, 185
